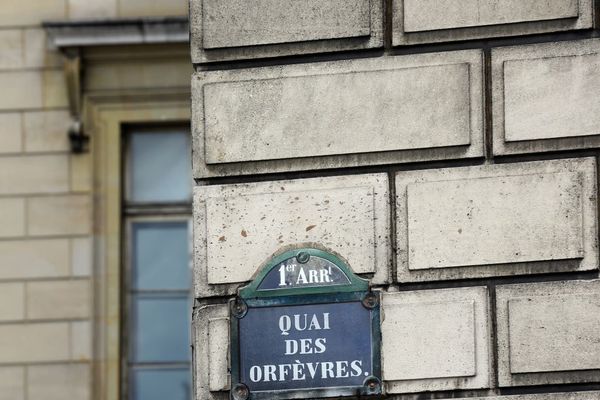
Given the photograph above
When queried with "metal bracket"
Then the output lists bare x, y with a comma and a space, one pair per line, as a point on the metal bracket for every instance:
73, 76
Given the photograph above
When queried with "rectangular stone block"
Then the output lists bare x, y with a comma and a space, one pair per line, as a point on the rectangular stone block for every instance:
238, 29
81, 172
338, 114
545, 97
591, 395
429, 21
211, 351
218, 341
27, 259
16, 13
54, 89
134, 75
11, 43
59, 382
37, 53
433, 15
12, 383
34, 174
238, 227
39, 342
548, 333
21, 89
238, 23
12, 301
59, 215
12, 217
495, 220
46, 131
59, 299
81, 257
81, 341
86, 9
11, 133
159, 8
436, 340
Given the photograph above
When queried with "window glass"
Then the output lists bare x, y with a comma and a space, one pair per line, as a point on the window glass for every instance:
161, 384
160, 329
160, 166
161, 257
157, 301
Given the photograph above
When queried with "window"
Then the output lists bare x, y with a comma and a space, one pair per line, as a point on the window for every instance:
156, 279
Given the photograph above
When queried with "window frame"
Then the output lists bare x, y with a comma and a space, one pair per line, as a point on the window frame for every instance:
106, 115
127, 291
137, 211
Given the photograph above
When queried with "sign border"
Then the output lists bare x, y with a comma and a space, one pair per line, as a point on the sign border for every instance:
251, 291
356, 291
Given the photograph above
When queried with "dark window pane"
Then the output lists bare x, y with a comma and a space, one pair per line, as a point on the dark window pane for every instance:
161, 257
160, 166
161, 384
161, 328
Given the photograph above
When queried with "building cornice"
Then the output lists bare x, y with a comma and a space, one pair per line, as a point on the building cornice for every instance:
76, 34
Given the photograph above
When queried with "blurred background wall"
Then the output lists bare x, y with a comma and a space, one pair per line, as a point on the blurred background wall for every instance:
65, 313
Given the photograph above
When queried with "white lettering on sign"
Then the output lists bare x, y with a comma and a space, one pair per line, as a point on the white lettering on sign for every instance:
304, 276
300, 371
301, 323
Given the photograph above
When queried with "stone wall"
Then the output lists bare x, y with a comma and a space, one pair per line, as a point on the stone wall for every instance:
446, 149
46, 207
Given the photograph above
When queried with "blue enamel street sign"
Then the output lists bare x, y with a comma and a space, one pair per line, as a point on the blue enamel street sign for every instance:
306, 327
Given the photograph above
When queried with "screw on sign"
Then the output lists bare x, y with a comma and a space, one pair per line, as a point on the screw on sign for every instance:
306, 327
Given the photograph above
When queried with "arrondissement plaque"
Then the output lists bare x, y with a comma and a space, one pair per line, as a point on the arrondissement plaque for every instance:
306, 327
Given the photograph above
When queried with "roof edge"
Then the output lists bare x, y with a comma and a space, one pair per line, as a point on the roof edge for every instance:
104, 32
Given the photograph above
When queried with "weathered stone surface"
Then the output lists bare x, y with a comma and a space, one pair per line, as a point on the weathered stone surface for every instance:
355, 112
45, 131
239, 29
436, 340
545, 396
81, 340
426, 21
158, 8
497, 220
30, 343
432, 15
218, 341
15, 13
43, 258
238, 227
34, 174
85, 9
37, 52
82, 173
548, 333
237, 23
59, 215
59, 299
59, 382
12, 215
545, 97
12, 301
211, 350
21, 90
11, 42
11, 132
12, 383
121, 76
81, 257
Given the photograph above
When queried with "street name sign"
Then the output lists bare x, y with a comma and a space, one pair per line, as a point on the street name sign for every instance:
306, 327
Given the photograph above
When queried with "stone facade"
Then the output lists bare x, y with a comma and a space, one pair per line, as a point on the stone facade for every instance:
450, 158
48, 334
